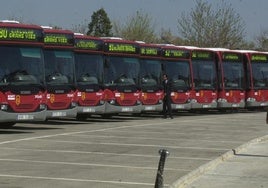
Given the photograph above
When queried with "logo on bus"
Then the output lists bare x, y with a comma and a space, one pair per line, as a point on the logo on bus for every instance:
17, 100
122, 96
52, 98
83, 96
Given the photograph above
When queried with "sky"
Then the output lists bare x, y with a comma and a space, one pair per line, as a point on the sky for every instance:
164, 13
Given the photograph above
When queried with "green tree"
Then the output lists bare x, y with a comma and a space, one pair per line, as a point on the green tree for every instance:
138, 27
206, 27
100, 25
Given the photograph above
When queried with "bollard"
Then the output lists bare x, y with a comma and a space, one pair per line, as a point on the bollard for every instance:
159, 182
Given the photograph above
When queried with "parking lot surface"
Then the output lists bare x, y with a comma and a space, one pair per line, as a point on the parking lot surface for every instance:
121, 151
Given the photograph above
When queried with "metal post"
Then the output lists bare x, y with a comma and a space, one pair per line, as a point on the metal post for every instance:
159, 182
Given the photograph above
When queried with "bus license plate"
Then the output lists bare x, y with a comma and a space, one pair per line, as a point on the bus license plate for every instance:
127, 109
88, 110
235, 105
206, 106
149, 108
58, 114
25, 117
179, 106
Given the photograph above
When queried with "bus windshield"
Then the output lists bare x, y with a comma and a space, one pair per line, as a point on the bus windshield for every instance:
150, 73
204, 74
20, 65
121, 71
59, 67
233, 75
260, 75
88, 68
179, 73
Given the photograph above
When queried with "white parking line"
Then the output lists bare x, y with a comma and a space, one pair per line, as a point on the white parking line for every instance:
135, 145
102, 153
76, 180
88, 164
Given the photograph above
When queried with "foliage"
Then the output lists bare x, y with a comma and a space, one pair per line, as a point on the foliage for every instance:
100, 25
81, 27
206, 27
138, 27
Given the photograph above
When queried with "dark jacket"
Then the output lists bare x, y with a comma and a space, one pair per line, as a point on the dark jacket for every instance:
167, 87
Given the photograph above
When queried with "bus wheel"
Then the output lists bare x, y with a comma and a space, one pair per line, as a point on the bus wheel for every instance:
7, 125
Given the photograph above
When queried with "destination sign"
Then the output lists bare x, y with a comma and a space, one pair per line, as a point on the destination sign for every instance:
202, 55
88, 44
150, 51
21, 34
259, 57
59, 39
175, 53
121, 48
231, 57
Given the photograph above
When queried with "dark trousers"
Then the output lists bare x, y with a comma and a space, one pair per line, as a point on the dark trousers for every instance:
167, 107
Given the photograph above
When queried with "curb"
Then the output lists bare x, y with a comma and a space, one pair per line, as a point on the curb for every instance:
190, 177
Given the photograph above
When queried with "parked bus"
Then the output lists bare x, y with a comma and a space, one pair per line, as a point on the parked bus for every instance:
89, 73
121, 75
256, 64
177, 65
231, 79
203, 62
59, 72
150, 78
22, 91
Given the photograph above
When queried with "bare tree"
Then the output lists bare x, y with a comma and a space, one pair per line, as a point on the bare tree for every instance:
262, 40
137, 27
206, 27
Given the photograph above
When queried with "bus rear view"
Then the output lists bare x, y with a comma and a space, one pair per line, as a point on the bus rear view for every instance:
59, 72
22, 92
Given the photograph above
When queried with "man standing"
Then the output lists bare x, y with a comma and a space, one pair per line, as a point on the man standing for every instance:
167, 97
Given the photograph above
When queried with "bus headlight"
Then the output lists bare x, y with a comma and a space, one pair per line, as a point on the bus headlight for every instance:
250, 99
222, 100
193, 101
101, 101
4, 107
160, 101
73, 104
42, 106
112, 101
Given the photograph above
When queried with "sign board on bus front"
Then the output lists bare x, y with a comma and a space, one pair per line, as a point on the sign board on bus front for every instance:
259, 58
59, 39
202, 55
150, 51
175, 53
20, 34
88, 44
121, 48
232, 57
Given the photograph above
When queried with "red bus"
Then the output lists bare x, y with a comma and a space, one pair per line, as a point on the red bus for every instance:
89, 73
22, 89
256, 64
231, 79
177, 65
121, 75
203, 64
151, 78
59, 72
